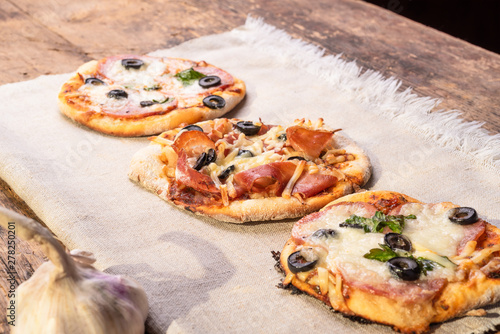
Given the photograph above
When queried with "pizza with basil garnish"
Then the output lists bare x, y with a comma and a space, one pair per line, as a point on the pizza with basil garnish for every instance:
143, 95
391, 259
239, 171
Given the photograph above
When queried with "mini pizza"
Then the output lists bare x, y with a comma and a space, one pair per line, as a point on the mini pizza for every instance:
391, 259
144, 95
240, 171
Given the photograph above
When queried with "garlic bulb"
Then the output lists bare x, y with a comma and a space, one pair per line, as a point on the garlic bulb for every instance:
67, 295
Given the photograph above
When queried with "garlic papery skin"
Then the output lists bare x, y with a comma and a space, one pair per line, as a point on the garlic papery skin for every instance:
67, 295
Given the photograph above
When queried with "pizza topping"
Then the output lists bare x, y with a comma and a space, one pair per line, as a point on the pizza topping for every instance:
405, 268
324, 233
290, 186
311, 142
154, 87
192, 127
209, 81
248, 128
94, 81
146, 103
271, 178
471, 233
225, 174
397, 241
296, 157
378, 222
302, 260
153, 102
245, 154
463, 215
309, 185
282, 137
189, 76
194, 143
205, 159
117, 94
214, 102
132, 63
189, 177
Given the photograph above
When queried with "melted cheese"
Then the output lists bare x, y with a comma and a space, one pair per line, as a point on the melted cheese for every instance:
135, 82
432, 234
432, 229
141, 77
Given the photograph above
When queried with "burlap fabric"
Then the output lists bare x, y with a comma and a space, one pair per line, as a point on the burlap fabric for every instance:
206, 276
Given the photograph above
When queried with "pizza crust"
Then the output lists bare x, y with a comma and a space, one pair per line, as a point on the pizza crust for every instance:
149, 125
454, 300
146, 169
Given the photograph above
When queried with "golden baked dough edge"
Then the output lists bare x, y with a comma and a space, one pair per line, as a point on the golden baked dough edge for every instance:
146, 169
149, 125
455, 300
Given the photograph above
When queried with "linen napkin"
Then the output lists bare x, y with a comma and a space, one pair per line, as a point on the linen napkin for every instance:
203, 275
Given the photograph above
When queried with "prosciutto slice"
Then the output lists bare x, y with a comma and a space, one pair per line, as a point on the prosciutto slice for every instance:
311, 184
311, 142
193, 143
190, 177
271, 177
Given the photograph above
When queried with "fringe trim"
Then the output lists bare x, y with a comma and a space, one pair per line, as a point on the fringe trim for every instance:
380, 95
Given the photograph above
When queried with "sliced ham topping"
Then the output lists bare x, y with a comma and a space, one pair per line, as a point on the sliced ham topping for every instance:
271, 178
131, 109
407, 292
471, 232
193, 143
189, 177
311, 142
311, 184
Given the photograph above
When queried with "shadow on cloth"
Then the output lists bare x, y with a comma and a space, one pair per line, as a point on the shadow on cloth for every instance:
174, 294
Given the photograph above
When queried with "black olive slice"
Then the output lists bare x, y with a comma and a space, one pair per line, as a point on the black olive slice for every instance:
397, 241
324, 233
282, 137
297, 263
248, 128
405, 268
117, 94
296, 157
209, 81
146, 103
211, 156
245, 154
463, 215
205, 159
214, 102
94, 82
200, 162
132, 63
192, 128
225, 174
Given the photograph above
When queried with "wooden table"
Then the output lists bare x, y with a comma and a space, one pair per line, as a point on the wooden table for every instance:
56, 36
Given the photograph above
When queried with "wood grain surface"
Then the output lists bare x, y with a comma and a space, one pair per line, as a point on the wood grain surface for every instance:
56, 36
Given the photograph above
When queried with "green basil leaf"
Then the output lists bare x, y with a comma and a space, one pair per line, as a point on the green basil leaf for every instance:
189, 76
383, 255
426, 265
154, 87
378, 222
